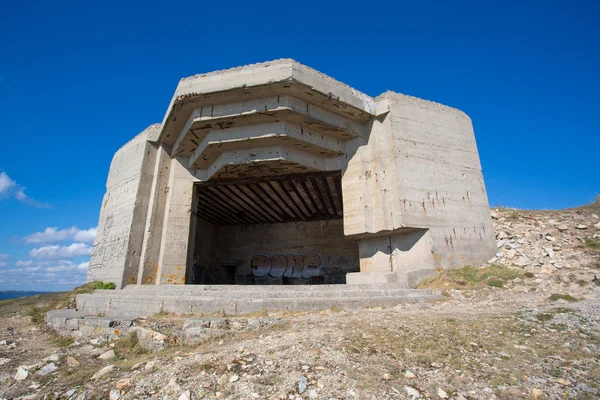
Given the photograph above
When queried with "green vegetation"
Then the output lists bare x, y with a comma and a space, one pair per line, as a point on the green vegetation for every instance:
64, 341
129, 345
495, 282
104, 285
36, 313
469, 277
594, 205
566, 297
548, 315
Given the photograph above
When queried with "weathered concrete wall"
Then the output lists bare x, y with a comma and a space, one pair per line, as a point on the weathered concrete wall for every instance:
298, 250
419, 169
116, 253
440, 179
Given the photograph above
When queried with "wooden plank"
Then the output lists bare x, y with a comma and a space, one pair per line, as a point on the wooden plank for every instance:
290, 205
265, 209
217, 206
328, 193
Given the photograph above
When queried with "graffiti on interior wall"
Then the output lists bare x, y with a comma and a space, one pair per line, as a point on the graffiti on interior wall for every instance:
286, 266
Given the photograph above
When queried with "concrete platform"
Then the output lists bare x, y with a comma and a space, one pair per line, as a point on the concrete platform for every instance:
139, 301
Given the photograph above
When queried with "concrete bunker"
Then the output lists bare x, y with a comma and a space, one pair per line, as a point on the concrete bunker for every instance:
271, 230
275, 173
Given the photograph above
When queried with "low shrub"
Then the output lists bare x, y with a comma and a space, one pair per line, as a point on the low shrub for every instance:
566, 297
468, 277
104, 285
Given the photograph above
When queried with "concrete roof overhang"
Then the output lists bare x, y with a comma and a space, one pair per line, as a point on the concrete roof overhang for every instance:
284, 77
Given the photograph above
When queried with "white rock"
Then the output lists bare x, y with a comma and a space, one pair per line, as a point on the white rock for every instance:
412, 392
150, 365
185, 395
581, 226
312, 393
21, 374
109, 355
96, 342
114, 395
4, 361
522, 261
234, 378
47, 369
562, 228
409, 374
442, 394
550, 238
53, 358
103, 372
302, 384
597, 226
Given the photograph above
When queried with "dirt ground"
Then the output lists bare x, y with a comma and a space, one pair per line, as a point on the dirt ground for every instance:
533, 336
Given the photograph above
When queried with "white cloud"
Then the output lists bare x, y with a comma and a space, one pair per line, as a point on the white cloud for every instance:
57, 274
72, 251
4, 256
3, 264
86, 236
54, 235
10, 188
6, 184
23, 263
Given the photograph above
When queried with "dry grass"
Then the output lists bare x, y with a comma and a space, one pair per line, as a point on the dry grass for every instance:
470, 277
37, 306
594, 205
566, 297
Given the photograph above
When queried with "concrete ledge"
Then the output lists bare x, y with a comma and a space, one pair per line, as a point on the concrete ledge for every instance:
370, 278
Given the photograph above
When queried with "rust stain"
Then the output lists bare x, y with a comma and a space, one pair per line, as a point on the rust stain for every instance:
117, 332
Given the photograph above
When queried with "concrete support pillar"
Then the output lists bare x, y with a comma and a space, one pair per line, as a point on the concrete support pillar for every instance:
148, 267
176, 232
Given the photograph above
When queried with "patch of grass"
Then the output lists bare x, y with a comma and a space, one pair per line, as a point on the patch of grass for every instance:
566, 297
499, 283
80, 375
36, 313
592, 244
336, 309
594, 205
63, 341
129, 345
582, 282
469, 277
103, 285
161, 314
207, 366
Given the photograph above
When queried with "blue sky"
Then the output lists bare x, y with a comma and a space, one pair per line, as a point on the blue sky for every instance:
79, 79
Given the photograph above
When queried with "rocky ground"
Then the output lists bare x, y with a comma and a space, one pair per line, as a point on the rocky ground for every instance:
536, 334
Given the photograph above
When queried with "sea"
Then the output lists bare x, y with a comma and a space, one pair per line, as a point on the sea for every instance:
13, 294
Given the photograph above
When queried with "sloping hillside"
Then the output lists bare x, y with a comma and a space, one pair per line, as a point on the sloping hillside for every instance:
524, 326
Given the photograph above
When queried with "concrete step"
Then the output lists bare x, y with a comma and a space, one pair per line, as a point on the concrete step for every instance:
258, 288
253, 294
144, 303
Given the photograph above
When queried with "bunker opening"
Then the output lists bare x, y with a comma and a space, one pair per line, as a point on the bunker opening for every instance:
275, 230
